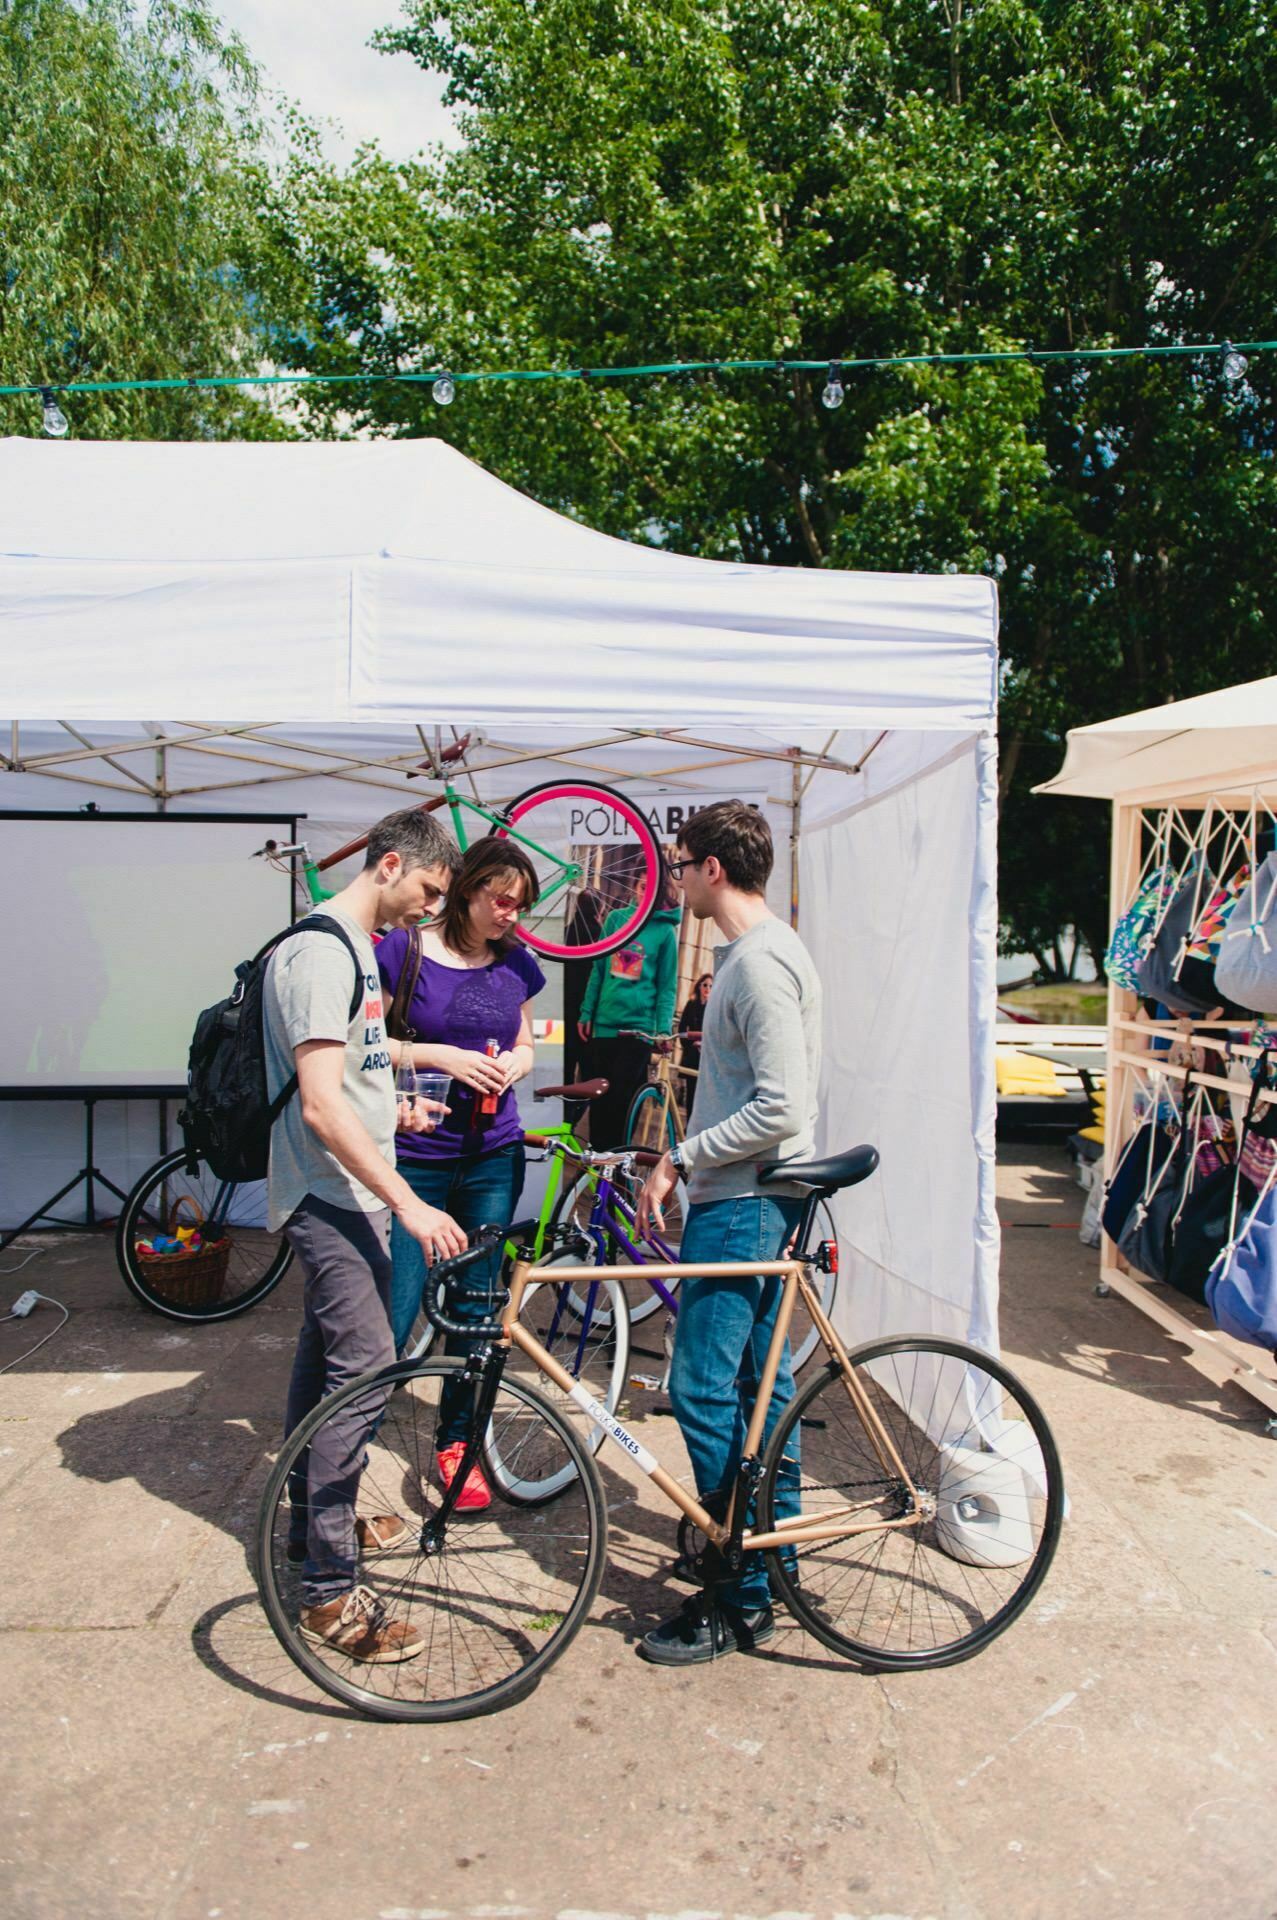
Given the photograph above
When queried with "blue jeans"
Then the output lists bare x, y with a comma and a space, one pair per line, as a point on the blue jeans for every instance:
478, 1190
723, 1331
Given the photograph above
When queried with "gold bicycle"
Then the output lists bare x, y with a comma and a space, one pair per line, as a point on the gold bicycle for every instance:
908, 1499
655, 1118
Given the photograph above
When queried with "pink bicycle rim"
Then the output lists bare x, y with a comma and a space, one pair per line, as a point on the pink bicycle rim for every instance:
646, 838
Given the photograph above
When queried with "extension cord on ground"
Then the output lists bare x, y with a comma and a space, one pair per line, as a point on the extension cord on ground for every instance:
24, 1303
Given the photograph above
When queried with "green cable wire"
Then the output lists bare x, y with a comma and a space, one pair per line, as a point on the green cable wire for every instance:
877, 360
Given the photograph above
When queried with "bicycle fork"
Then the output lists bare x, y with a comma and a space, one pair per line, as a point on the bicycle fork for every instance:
484, 1369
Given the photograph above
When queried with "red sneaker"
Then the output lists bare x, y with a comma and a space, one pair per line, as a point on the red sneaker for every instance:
474, 1496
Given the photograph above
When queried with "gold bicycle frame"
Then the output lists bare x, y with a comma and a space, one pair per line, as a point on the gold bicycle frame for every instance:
668, 1074
835, 1524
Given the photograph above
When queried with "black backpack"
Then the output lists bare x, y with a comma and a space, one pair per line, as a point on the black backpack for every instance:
229, 1113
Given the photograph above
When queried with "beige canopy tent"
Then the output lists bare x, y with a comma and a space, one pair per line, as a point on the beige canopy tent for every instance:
1163, 769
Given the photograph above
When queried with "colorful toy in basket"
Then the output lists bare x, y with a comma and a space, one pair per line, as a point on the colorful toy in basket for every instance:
193, 1269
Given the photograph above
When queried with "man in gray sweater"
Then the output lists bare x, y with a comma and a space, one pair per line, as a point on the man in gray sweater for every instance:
755, 1105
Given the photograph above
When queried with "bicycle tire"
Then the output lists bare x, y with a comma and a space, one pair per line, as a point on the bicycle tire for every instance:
993, 1513
643, 1123
552, 1580
804, 1337
559, 803
576, 1203
593, 1347
257, 1261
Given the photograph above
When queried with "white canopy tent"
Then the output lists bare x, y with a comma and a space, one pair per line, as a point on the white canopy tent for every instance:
327, 607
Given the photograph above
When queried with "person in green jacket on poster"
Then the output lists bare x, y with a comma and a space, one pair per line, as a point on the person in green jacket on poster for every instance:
633, 986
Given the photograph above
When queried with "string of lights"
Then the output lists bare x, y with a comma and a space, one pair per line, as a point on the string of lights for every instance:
444, 383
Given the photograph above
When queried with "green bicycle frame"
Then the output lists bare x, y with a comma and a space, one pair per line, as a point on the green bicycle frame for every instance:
563, 1134
569, 871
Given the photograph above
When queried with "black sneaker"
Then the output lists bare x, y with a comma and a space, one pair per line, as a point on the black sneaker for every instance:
697, 1633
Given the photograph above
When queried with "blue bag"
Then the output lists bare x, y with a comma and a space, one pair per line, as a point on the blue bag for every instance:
1137, 1172
1241, 1288
1241, 1291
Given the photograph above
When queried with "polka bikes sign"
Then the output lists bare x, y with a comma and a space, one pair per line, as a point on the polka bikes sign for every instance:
666, 812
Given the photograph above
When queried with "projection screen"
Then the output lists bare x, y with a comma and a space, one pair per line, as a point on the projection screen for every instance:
118, 930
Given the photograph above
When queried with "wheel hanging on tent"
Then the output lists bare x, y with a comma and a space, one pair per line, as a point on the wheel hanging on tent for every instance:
584, 878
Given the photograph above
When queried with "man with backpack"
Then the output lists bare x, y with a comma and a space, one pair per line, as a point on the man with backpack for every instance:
332, 1187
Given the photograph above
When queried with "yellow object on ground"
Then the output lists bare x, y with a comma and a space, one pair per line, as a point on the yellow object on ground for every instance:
1024, 1073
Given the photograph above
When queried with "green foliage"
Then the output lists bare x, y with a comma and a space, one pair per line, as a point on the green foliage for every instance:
834, 178
129, 179
749, 178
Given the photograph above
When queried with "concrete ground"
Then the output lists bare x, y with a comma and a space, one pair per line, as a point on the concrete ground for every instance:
1113, 1754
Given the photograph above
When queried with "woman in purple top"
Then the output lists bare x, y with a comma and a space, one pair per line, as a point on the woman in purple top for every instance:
469, 1016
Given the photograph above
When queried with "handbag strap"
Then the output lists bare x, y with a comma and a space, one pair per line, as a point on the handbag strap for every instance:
1257, 1086
397, 1016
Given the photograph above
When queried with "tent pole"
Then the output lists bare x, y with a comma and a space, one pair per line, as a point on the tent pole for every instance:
84, 740
795, 821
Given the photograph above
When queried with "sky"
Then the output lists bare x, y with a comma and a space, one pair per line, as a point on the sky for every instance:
316, 52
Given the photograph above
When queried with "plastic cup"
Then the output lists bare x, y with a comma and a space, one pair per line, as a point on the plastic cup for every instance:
432, 1097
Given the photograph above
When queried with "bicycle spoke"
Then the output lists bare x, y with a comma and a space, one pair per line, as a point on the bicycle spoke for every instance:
967, 1532
490, 1597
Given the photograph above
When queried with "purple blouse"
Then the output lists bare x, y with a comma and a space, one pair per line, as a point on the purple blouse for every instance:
463, 1007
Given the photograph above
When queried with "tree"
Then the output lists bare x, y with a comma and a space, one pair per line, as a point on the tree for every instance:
130, 174
655, 179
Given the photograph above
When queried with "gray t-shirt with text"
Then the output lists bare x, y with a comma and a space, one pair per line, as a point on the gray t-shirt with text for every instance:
307, 996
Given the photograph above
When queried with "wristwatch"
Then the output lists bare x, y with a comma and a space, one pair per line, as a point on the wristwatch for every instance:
678, 1163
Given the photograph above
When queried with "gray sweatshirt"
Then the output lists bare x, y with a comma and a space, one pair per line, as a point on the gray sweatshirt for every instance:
760, 1066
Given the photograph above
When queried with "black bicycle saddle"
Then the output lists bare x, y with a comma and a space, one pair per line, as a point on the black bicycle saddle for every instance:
824, 1176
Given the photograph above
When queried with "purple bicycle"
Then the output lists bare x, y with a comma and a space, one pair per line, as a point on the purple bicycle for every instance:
601, 1201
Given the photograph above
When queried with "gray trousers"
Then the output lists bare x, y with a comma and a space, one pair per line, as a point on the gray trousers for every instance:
345, 1261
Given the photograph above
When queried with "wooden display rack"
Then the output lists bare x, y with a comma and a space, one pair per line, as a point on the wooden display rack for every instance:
1132, 1059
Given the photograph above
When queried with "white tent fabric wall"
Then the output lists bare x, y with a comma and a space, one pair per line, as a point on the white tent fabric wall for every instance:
907, 1062
354, 591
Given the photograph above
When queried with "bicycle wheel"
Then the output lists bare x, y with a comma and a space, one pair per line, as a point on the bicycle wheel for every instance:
255, 1258
421, 1338
978, 1450
804, 1340
589, 1336
558, 825
577, 1203
494, 1602
643, 1126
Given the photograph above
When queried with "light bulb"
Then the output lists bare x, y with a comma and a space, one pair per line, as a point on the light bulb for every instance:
1234, 363
833, 396
56, 424
444, 390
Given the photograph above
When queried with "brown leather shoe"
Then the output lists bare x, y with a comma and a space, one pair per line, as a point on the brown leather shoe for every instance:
355, 1623
380, 1532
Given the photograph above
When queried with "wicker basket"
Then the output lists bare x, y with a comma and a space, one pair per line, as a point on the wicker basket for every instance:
194, 1280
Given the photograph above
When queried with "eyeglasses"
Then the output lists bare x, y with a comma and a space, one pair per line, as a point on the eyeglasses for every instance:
676, 866
506, 902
